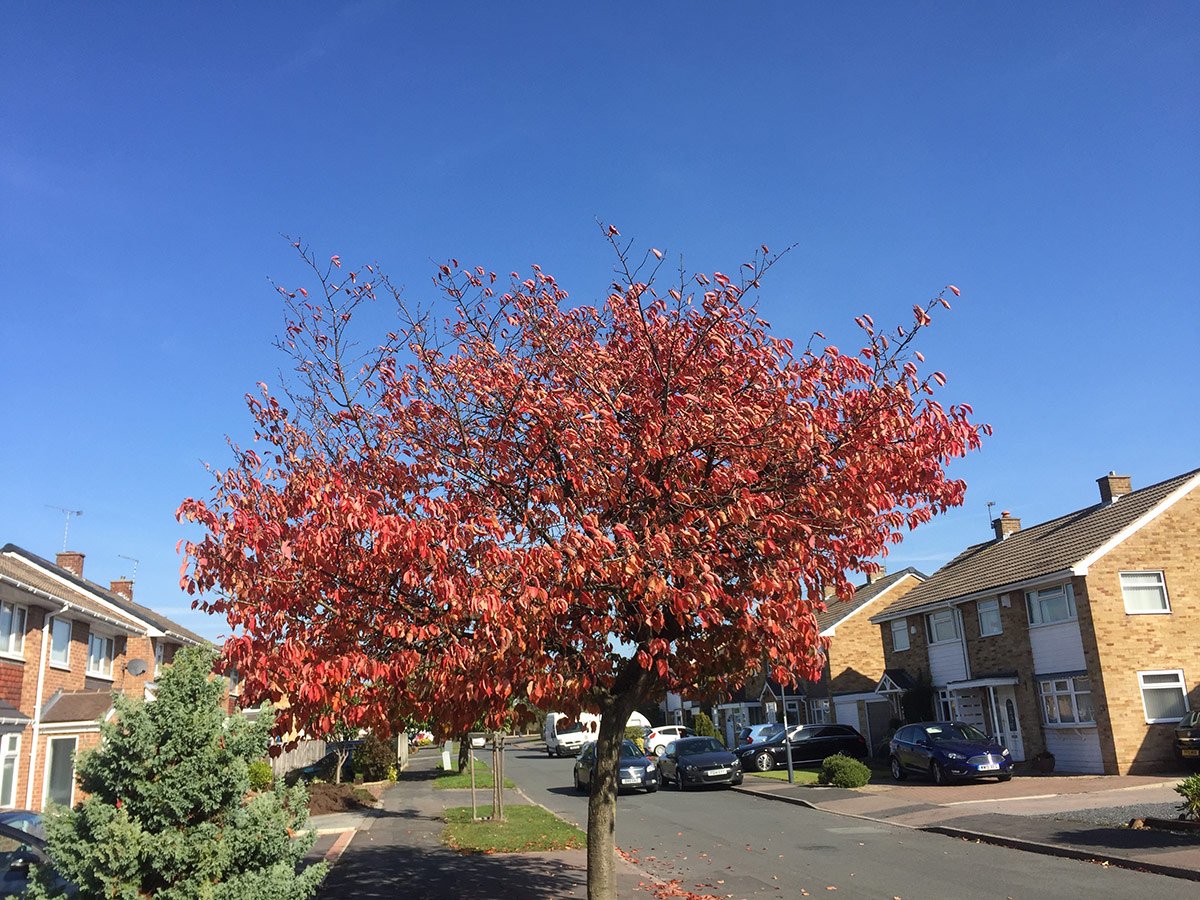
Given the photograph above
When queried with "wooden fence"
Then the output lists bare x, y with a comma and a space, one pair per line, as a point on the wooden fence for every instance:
305, 754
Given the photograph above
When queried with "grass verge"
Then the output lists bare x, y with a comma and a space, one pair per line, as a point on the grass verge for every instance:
483, 778
525, 829
803, 776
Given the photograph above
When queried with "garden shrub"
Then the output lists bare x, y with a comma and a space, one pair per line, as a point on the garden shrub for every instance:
704, 727
373, 758
634, 733
844, 772
1189, 790
260, 774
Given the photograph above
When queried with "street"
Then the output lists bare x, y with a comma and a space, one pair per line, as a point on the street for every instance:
729, 844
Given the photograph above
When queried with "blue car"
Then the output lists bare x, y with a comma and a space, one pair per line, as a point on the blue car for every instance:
946, 751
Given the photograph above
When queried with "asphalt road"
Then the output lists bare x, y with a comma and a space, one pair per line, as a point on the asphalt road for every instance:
728, 844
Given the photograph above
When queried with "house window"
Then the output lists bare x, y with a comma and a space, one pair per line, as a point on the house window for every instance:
159, 649
1066, 700
12, 629
1144, 592
1056, 604
60, 770
1164, 695
10, 751
100, 655
942, 626
945, 706
900, 634
989, 618
60, 642
820, 712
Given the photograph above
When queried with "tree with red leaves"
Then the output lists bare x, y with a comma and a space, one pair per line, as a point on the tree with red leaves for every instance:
512, 500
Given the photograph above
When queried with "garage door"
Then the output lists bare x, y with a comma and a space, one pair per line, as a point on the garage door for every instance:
1075, 749
845, 712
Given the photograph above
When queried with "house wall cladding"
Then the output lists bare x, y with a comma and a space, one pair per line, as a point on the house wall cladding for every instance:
12, 674
1125, 644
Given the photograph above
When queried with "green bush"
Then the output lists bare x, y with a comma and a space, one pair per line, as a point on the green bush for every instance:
261, 776
634, 733
844, 772
1189, 790
704, 727
373, 758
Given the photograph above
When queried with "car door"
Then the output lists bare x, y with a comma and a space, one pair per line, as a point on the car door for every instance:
668, 763
585, 765
903, 746
802, 742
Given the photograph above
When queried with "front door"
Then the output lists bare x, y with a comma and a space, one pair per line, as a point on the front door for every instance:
60, 770
1009, 727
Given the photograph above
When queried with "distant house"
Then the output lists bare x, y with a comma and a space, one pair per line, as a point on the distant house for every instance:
1079, 636
66, 646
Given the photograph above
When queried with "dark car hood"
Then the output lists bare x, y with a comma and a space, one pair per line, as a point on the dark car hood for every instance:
713, 758
969, 748
627, 761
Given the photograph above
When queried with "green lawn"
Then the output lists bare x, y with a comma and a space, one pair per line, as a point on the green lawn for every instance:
483, 777
525, 829
803, 776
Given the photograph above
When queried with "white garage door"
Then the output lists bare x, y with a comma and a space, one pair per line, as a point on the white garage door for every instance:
845, 712
1075, 749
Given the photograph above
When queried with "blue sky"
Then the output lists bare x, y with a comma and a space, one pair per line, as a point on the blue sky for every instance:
1044, 158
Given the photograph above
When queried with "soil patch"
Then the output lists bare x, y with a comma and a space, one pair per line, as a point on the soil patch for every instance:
336, 798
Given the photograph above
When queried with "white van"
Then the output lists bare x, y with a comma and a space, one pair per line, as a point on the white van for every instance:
565, 736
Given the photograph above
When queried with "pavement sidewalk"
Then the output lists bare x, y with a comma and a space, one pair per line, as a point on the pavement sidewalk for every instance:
1029, 813
397, 852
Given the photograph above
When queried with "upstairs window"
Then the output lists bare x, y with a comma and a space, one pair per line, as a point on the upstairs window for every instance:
1056, 604
12, 629
1164, 695
989, 618
1144, 593
900, 634
942, 626
100, 655
60, 643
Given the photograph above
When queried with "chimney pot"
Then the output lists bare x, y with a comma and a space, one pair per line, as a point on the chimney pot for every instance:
122, 586
72, 561
1005, 525
872, 578
1113, 487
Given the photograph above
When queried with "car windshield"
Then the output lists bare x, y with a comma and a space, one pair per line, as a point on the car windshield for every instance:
630, 749
956, 732
573, 728
696, 746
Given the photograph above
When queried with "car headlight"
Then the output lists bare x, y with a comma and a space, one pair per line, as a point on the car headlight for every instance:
1004, 752
650, 767
950, 755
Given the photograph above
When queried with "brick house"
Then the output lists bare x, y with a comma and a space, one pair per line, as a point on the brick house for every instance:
854, 663
66, 646
1077, 636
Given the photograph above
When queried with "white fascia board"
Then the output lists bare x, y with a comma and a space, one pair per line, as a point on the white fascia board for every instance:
832, 629
87, 727
1037, 581
868, 696
131, 619
124, 627
1081, 567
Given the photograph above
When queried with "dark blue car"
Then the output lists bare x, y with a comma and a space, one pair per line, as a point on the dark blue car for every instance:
946, 751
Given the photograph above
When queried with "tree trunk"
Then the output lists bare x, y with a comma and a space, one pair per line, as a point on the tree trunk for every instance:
602, 804
464, 750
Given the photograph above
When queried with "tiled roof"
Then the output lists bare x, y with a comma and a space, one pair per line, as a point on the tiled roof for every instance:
10, 712
863, 594
136, 610
18, 569
77, 706
1032, 552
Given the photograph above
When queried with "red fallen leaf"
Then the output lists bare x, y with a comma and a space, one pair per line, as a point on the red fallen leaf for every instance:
612, 230
657, 253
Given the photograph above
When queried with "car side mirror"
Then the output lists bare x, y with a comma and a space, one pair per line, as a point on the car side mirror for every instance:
925, 742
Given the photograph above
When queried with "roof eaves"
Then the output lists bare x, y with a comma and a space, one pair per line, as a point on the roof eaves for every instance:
991, 591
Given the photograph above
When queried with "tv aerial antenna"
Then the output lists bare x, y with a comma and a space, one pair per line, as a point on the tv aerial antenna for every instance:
67, 513
133, 560
991, 503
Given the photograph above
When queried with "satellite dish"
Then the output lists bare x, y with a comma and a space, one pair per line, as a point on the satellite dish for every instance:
136, 667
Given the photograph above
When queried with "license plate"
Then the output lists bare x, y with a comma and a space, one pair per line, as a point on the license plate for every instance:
1190, 752
989, 767
631, 781
718, 771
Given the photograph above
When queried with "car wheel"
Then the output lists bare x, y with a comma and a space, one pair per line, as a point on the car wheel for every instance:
659, 750
558, 752
1007, 776
764, 761
937, 773
898, 770
550, 753
679, 782
651, 788
736, 781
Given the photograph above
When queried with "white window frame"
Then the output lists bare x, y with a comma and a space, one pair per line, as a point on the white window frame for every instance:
10, 755
1180, 683
930, 633
901, 631
820, 712
13, 643
1162, 583
111, 643
1034, 600
1048, 687
989, 605
55, 623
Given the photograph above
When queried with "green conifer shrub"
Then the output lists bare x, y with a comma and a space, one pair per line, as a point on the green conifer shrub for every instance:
843, 771
704, 727
167, 814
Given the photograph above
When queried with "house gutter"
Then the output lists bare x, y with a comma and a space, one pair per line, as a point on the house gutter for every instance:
37, 708
1060, 575
66, 605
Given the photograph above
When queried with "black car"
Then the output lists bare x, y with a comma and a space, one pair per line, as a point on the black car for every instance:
947, 750
634, 770
19, 849
696, 761
324, 767
1187, 738
808, 744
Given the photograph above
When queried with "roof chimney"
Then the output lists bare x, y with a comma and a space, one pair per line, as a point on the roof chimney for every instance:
1113, 487
1005, 525
72, 561
874, 577
123, 587
829, 592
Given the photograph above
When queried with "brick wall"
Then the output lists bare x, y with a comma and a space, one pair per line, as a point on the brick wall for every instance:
1119, 645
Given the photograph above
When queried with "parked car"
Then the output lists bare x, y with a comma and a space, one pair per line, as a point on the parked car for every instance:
20, 849
325, 766
565, 736
634, 769
657, 738
807, 743
752, 734
946, 751
695, 761
1187, 738
28, 821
